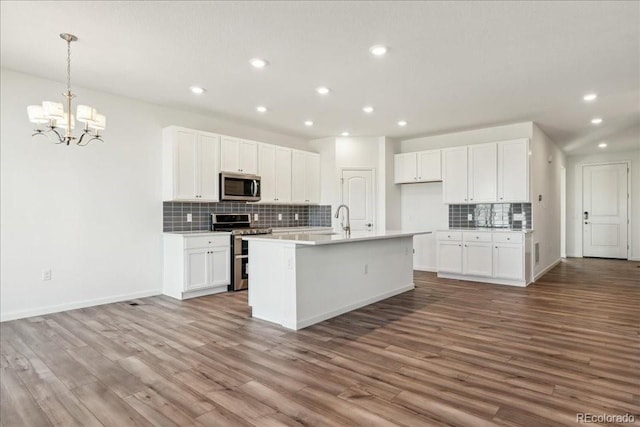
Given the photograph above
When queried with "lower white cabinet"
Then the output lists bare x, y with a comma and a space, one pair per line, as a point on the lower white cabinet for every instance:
196, 265
494, 257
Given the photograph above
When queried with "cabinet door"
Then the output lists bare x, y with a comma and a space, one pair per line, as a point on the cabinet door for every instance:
298, 179
208, 167
429, 165
455, 175
219, 266
450, 257
483, 173
508, 261
405, 168
229, 154
267, 171
184, 152
197, 274
477, 259
248, 157
312, 182
283, 174
513, 171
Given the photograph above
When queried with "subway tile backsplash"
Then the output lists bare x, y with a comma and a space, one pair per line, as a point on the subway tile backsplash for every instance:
174, 215
490, 215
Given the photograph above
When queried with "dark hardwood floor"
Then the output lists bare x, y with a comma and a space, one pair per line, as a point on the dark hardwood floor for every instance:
447, 353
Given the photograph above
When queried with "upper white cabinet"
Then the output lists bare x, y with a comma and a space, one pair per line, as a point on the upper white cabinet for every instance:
305, 177
487, 173
455, 175
274, 168
238, 155
513, 171
422, 166
190, 165
483, 173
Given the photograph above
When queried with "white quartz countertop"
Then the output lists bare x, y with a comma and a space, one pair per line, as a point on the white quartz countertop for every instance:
492, 230
198, 233
290, 230
331, 237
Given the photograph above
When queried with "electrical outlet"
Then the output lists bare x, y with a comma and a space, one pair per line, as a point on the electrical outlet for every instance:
279, 217
189, 218
296, 217
518, 217
46, 274
469, 217
256, 217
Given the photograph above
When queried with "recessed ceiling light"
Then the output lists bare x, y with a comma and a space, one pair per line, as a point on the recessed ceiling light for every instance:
602, 145
590, 97
368, 109
261, 109
258, 63
197, 90
378, 50
402, 123
323, 90
308, 123
345, 134
596, 121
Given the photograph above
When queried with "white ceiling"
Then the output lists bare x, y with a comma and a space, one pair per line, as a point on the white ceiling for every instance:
451, 65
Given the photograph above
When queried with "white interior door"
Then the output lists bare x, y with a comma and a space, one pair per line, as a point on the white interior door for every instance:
358, 194
604, 210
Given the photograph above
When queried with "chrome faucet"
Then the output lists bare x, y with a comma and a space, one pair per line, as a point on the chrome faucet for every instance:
345, 228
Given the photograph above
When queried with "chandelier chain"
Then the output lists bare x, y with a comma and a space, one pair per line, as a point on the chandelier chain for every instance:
69, 65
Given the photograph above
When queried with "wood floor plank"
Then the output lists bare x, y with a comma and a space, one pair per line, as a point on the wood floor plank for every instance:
448, 352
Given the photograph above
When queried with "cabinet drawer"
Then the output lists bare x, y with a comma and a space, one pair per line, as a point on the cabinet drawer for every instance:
471, 236
449, 235
191, 242
507, 237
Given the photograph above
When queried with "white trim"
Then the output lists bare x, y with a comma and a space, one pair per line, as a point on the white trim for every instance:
634, 259
485, 280
20, 314
629, 201
546, 270
574, 255
424, 268
333, 313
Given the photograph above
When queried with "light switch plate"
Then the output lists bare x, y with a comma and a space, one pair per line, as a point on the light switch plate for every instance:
518, 217
189, 218
279, 217
296, 217
469, 217
256, 217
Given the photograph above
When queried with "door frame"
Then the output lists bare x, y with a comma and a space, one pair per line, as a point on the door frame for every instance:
373, 189
629, 201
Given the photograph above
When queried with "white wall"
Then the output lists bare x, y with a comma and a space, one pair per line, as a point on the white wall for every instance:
392, 202
547, 161
574, 199
91, 214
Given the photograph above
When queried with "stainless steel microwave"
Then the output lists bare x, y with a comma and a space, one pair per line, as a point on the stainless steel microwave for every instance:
239, 186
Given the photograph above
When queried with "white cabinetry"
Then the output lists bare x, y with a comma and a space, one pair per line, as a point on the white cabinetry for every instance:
484, 256
305, 177
422, 166
274, 168
189, 165
483, 173
196, 265
513, 171
455, 175
238, 155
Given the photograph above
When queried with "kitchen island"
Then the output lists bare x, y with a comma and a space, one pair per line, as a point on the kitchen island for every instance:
297, 280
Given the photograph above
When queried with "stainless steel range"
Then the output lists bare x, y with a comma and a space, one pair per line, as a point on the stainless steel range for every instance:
239, 225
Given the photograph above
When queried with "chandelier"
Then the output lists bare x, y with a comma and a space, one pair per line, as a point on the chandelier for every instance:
58, 124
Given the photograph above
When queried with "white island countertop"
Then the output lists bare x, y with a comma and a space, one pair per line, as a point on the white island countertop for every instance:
330, 238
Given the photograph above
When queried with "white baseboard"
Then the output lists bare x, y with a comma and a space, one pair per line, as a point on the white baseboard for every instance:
424, 268
20, 314
333, 313
574, 255
634, 259
546, 270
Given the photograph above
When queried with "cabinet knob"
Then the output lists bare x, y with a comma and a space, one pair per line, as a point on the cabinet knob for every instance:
419, 177
508, 238
477, 237
449, 237
496, 247
500, 198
